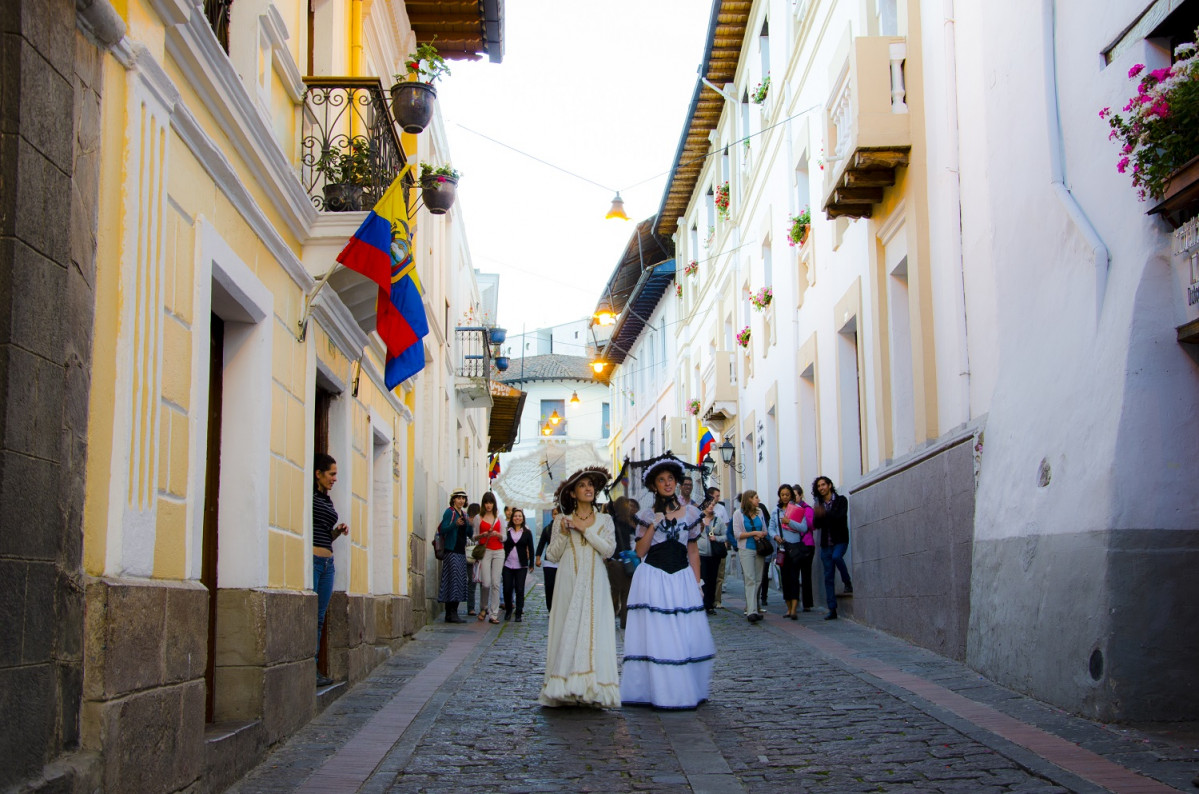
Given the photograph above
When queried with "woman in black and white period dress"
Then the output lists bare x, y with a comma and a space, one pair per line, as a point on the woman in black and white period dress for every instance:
668, 647
580, 658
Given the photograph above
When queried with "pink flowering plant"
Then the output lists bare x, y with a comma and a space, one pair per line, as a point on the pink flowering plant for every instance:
761, 90
1158, 131
799, 226
762, 298
678, 290
438, 172
722, 200
691, 268
693, 407
743, 337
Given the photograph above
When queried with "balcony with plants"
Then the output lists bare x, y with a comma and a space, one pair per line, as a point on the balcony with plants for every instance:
869, 126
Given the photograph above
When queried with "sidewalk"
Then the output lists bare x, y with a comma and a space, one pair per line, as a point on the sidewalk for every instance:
802, 705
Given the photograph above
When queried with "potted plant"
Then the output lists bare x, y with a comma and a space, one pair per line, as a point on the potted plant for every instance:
498, 335
678, 289
761, 90
743, 337
693, 407
501, 363
691, 268
1160, 135
347, 173
800, 224
762, 298
722, 200
412, 94
439, 186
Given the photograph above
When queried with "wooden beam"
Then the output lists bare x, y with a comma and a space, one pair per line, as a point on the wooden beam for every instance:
857, 195
882, 177
865, 159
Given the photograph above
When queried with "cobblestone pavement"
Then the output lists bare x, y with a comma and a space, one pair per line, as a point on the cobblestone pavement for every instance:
801, 706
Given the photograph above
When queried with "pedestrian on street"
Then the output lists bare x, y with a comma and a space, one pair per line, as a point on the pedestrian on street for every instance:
325, 530
580, 659
668, 647
623, 511
491, 534
518, 563
792, 524
712, 551
749, 526
472, 580
809, 550
722, 516
550, 569
504, 603
831, 512
454, 529
685, 489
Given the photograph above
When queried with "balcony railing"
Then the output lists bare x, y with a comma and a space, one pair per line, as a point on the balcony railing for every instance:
473, 374
350, 150
870, 126
217, 14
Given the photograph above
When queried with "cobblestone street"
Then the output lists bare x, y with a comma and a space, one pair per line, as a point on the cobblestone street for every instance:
808, 705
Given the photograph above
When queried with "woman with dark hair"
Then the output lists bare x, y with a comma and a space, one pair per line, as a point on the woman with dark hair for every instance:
580, 659
831, 512
518, 563
325, 530
454, 528
668, 647
712, 551
491, 534
749, 526
792, 526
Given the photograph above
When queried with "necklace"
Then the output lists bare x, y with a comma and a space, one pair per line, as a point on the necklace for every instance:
575, 513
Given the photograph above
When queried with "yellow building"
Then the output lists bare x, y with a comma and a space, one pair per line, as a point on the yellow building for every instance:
222, 362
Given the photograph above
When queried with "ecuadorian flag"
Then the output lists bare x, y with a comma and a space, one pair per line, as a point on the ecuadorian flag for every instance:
381, 250
493, 467
706, 442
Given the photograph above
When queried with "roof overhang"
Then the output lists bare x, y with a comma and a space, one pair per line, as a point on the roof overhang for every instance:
726, 34
462, 30
642, 274
507, 405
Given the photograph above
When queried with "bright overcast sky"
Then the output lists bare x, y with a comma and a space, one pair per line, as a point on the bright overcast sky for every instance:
599, 89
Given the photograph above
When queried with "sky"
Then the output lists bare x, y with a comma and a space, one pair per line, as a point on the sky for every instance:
598, 89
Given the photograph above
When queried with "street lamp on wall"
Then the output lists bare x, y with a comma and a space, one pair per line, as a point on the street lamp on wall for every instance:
728, 454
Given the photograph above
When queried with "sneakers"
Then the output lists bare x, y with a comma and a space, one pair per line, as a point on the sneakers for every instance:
831, 615
323, 680
754, 617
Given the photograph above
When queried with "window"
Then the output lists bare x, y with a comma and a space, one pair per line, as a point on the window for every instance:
652, 450
764, 48
548, 409
606, 421
767, 265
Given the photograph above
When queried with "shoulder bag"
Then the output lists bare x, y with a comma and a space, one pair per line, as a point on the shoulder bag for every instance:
438, 545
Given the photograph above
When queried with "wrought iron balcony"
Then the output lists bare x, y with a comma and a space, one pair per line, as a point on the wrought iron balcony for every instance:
718, 405
869, 125
350, 149
473, 374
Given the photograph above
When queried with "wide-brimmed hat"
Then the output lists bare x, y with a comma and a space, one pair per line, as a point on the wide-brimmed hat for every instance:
667, 462
457, 492
598, 475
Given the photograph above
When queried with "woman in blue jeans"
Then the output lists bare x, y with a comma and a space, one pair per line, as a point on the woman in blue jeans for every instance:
325, 530
831, 512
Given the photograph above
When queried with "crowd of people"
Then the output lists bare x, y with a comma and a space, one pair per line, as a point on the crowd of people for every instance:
656, 570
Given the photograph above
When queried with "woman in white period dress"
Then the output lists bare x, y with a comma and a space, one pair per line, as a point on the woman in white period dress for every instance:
668, 647
580, 659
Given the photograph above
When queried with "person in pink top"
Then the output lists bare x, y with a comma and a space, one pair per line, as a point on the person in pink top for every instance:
518, 563
793, 522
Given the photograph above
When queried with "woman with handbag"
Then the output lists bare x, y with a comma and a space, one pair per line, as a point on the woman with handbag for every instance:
580, 659
753, 550
518, 563
452, 532
491, 535
792, 523
668, 646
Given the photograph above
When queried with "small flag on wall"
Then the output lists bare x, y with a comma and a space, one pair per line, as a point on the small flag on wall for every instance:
493, 466
706, 442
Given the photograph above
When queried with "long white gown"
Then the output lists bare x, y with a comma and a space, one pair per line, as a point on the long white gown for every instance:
580, 660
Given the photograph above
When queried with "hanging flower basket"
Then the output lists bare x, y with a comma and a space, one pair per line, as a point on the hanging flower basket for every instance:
800, 225
678, 289
743, 337
498, 335
722, 200
693, 407
691, 268
761, 90
501, 363
412, 105
761, 299
439, 187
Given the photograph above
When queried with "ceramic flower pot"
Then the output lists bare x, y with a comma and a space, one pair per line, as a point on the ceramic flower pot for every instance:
344, 197
412, 105
501, 363
439, 192
498, 335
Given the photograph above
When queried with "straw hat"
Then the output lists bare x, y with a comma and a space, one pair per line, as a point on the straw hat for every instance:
564, 496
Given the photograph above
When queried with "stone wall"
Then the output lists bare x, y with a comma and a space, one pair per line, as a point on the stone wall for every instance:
49, 172
912, 540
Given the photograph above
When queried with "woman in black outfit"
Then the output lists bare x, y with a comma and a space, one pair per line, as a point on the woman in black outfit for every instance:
453, 529
550, 569
623, 511
518, 563
832, 519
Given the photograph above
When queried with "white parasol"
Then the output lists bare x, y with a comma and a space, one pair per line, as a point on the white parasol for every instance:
529, 480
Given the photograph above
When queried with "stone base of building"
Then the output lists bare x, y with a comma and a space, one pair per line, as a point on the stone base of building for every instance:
912, 547
1101, 623
144, 713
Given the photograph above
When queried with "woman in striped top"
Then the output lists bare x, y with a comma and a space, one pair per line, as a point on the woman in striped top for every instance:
325, 530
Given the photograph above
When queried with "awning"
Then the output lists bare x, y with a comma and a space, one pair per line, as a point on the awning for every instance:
507, 404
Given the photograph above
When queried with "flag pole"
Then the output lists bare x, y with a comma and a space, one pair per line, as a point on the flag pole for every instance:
310, 297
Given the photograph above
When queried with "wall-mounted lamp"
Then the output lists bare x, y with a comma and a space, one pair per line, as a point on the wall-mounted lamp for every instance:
728, 454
